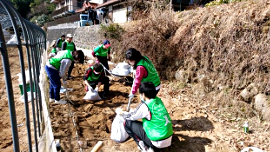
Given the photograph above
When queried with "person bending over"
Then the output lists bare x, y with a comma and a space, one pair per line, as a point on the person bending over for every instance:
56, 68
145, 70
95, 77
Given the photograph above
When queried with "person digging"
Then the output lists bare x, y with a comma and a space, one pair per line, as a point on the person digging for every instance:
145, 71
56, 68
95, 77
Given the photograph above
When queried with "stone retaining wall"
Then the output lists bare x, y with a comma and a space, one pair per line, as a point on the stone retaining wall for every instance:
86, 37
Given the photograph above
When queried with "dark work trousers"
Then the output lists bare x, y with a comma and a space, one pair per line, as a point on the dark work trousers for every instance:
104, 81
55, 83
70, 68
136, 131
104, 61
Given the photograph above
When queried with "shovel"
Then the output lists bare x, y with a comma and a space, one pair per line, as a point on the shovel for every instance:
69, 101
128, 106
106, 69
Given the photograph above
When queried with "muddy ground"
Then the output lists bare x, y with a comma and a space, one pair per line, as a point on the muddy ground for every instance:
196, 129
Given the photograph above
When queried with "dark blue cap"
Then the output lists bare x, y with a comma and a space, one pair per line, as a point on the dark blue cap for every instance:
106, 42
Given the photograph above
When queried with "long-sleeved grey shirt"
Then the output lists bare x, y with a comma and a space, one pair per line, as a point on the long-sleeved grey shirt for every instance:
65, 64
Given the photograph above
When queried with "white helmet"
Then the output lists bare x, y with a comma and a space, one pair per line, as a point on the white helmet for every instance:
69, 35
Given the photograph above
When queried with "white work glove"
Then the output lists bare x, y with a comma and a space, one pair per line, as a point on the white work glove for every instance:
119, 111
122, 113
96, 89
131, 95
65, 84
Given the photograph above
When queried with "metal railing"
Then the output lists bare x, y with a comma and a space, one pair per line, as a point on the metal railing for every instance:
32, 39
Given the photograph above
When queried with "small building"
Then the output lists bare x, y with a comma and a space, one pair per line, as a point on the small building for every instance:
117, 10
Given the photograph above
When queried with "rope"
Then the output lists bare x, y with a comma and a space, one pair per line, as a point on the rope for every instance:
71, 114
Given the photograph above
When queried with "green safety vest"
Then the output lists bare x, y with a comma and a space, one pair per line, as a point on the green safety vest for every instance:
100, 51
152, 74
70, 46
93, 77
54, 50
160, 125
56, 61
60, 42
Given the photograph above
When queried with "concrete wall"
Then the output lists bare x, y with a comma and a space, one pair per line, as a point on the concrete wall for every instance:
86, 37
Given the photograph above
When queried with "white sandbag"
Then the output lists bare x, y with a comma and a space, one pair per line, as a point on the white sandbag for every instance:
121, 72
27, 77
118, 132
28, 97
92, 95
123, 65
13, 40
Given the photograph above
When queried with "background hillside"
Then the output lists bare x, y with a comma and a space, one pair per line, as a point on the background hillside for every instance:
218, 55
221, 50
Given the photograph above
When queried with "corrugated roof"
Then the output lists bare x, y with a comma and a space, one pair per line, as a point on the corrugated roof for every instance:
108, 3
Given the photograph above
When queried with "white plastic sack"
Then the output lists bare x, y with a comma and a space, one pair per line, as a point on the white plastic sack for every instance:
123, 65
92, 95
27, 77
118, 133
121, 72
28, 97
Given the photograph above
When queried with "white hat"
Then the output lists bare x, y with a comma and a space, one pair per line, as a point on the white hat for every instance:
69, 35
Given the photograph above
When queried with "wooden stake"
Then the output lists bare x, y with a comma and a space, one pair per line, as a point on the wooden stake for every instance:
97, 147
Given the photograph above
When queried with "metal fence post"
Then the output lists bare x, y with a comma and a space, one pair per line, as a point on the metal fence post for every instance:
11, 105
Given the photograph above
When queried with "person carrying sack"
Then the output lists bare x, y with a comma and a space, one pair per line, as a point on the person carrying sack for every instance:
56, 68
155, 131
94, 78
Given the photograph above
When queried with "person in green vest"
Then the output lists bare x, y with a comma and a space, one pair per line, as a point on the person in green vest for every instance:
69, 45
145, 70
59, 42
53, 51
56, 68
102, 53
94, 77
155, 131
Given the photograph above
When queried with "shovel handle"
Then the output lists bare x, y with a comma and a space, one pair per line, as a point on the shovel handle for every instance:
67, 98
128, 106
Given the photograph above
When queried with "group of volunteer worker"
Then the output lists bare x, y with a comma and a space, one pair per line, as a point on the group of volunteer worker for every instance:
155, 130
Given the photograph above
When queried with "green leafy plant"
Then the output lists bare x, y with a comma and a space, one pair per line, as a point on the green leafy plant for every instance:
42, 19
219, 2
113, 31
